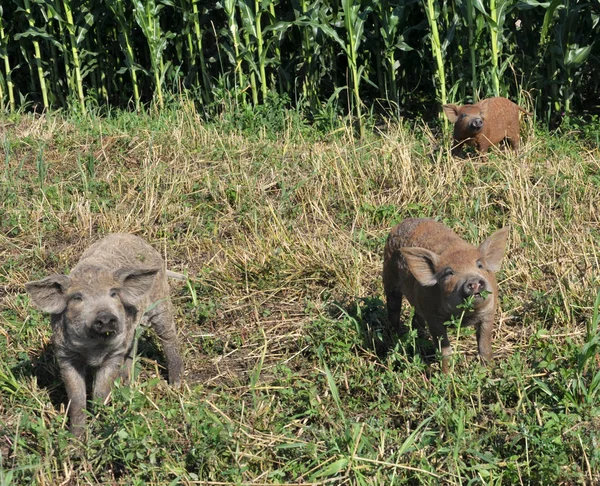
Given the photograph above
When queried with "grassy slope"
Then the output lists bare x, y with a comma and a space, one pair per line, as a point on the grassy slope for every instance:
282, 239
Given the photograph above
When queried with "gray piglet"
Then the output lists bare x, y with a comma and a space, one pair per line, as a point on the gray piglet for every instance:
119, 282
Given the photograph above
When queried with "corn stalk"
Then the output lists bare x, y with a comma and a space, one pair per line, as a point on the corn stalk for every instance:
392, 29
234, 55
124, 27
260, 51
75, 40
37, 53
7, 69
495, 21
248, 16
354, 23
277, 60
566, 49
206, 85
432, 12
147, 16
494, 44
470, 10
307, 18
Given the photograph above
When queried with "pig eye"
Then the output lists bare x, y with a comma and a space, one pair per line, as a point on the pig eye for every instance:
463, 115
113, 294
448, 272
76, 298
480, 265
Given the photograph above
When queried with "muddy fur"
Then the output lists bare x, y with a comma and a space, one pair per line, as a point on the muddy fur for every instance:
119, 283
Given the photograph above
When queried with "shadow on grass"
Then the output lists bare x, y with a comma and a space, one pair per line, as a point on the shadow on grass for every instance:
370, 317
149, 350
44, 367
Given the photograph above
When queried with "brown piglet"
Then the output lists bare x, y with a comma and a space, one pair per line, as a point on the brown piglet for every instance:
119, 283
437, 271
485, 123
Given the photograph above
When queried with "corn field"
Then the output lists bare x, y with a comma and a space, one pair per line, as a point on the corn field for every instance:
355, 57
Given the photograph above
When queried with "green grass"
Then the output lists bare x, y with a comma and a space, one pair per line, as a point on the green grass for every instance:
281, 233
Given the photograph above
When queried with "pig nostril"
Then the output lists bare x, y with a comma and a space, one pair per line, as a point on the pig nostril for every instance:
474, 287
105, 321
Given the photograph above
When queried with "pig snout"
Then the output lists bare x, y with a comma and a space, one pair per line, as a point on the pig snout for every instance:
104, 325
476, 124
473, 286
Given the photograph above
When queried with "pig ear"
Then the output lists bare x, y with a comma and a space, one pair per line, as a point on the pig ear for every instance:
492, 249
135, 282
50, 293
422, 264
451, 112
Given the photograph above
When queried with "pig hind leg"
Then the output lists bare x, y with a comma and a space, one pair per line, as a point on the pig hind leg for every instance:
512, 136
163, 324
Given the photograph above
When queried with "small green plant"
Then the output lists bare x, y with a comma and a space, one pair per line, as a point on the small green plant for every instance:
584, 387
87, 171
41, 167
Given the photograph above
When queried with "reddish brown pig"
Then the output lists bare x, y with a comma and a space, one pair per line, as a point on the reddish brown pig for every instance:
437, 271
485, 123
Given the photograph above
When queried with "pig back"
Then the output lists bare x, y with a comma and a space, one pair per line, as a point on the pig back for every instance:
414, 232
503, 115
424, 233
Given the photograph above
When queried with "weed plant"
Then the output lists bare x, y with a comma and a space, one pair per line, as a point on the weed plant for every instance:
280, 234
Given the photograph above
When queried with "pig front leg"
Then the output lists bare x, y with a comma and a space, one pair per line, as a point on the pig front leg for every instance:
394, 306
439, 333
419, 323
74, 378
484, 340
483, 145
105, 376
457, 148
126, 371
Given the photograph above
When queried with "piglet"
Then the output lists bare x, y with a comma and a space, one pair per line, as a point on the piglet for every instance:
484, 124
437, 271
119, 283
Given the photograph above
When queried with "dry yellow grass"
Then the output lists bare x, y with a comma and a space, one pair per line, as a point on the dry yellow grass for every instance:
270, 232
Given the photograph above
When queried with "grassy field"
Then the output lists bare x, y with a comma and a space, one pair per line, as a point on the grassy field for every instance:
280, 231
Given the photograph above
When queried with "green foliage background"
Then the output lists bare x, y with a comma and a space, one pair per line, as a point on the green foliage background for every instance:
351, 56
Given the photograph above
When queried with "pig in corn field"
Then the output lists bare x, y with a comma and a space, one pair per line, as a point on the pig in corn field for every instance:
437, 271
119, 282
484, 124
